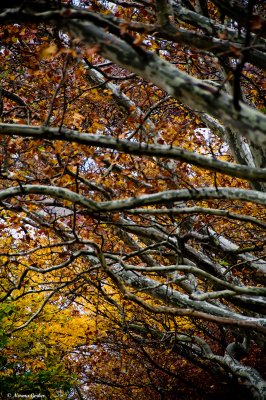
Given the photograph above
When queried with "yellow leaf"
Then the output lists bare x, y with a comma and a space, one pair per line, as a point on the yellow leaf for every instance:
48, 51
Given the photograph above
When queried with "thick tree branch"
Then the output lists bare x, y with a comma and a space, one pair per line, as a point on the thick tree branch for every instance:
132, 202
187, 89
238, 171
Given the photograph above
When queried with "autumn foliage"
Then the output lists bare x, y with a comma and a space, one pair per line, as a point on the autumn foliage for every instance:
132, 199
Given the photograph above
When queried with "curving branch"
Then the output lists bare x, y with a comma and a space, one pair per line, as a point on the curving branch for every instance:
135, 148
193, 92
132, 202
180, 304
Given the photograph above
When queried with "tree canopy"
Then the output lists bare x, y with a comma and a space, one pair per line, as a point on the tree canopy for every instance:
132, 199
